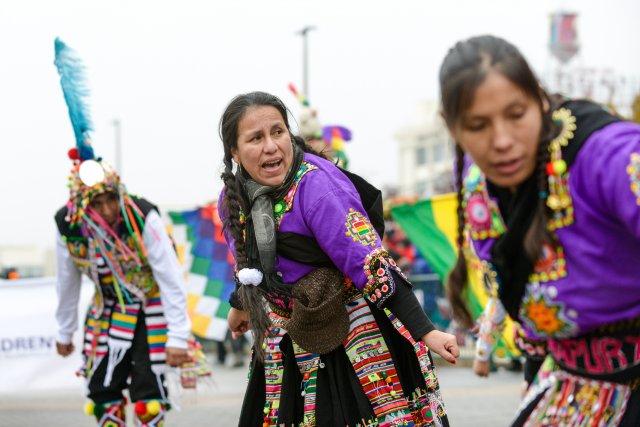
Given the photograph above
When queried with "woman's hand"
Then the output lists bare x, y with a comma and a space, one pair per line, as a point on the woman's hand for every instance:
442, 344
481, 367
64, 349
238, 321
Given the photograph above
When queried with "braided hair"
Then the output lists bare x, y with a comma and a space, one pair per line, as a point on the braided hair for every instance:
464, 68
233, 203
458, 276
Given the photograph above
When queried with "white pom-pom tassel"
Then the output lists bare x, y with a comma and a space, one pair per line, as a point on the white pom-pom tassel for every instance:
250, 276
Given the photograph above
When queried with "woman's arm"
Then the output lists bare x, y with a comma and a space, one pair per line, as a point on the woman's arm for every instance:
490, 327
343, 231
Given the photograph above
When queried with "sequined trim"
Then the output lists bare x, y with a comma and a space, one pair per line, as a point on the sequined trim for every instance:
545, 316
633, 169
551, 265
285, 204
380, 284
482, 215
533, 348
571, 400
559, 198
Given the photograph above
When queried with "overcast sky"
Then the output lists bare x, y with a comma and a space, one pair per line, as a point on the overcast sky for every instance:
167, 70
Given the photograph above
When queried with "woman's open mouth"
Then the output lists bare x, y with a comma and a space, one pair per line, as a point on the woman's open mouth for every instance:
508, 167
272, 165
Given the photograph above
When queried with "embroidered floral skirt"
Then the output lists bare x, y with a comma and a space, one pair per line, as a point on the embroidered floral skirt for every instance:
379, 377
586, 381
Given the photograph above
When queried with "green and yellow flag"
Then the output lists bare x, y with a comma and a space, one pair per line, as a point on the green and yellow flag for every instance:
432, 226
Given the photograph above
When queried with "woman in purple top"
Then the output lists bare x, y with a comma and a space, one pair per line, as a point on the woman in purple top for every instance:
551, 207
340, 338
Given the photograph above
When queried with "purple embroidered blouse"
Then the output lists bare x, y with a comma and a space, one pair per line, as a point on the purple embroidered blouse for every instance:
324, 204
601, 247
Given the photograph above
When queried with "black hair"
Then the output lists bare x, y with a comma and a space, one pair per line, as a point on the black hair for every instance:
233, 203
464, 68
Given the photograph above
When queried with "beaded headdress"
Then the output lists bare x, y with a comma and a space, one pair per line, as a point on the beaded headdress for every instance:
89, 175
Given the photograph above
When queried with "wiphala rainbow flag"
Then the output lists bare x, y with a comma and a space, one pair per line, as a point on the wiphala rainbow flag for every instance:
209, 269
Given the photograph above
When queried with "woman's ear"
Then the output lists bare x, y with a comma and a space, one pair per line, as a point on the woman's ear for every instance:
546, 106
236, 157
450, 128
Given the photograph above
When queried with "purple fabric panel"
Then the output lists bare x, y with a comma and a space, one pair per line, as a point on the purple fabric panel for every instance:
602, 246
320, 209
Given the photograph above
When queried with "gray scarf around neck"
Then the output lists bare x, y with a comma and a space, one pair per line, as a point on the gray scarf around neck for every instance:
263, 225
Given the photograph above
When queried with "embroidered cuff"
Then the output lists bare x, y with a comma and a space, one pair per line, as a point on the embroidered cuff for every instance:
380, 283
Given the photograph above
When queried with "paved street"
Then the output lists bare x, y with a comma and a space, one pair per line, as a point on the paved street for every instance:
470, 401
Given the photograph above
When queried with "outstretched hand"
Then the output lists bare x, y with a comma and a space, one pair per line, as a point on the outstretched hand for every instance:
177, 356
238, 321
442, 344
481, 368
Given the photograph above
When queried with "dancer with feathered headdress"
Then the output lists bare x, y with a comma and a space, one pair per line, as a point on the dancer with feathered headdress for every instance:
137, 322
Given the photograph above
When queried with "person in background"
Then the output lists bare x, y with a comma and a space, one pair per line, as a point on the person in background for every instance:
137, 322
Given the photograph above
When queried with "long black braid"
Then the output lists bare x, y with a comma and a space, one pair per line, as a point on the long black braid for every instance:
251, 297
458, 276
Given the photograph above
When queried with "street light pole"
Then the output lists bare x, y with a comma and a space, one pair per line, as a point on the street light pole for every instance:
305, 59
118, 145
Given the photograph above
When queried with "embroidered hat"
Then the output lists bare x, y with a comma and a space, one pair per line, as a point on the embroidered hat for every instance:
319, 321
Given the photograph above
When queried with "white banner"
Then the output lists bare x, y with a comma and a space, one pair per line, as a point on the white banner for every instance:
28, 331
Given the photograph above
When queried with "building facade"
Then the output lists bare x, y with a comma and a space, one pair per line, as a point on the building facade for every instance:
426, 155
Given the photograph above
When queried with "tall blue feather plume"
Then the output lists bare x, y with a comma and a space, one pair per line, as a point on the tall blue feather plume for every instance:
75, 90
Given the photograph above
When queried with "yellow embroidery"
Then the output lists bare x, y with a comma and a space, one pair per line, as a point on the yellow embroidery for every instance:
545, 316
634, 175
285, 204
559, 198
550, 266
360, 229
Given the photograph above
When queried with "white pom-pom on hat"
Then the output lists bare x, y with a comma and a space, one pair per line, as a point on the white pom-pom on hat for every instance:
250, 276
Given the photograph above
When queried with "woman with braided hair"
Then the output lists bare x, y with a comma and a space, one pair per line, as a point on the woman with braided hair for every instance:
340, 339
550, 206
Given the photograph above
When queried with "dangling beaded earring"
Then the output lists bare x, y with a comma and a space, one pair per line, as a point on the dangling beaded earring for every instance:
482, 215
558, 197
